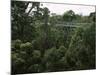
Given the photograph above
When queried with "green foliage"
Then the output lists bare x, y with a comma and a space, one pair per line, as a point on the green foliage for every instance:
81, 52
54, 59
17, 43
36, 54
38, 45
26, 46
69, 16
62, 50
92, 16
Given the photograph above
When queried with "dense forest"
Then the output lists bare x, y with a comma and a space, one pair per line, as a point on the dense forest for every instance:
42, 42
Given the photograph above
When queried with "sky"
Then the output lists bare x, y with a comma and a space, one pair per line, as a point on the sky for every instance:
61, 8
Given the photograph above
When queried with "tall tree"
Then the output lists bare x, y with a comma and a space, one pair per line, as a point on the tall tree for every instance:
69, 16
